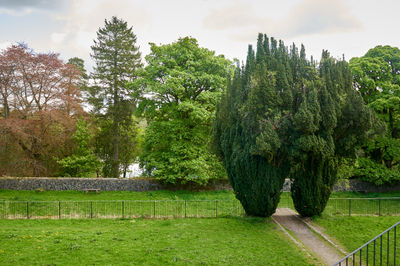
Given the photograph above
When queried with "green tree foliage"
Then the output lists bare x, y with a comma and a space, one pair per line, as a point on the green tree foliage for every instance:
284, 117
377, 77
117, 60
182, 84
83, 162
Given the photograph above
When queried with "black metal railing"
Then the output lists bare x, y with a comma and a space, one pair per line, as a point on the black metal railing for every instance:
180, 208
381, 250
363, 206
119, 209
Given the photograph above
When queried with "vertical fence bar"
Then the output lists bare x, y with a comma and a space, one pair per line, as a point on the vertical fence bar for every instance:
185, 208
387, 251
154, 209
381, 253
216, 208
379, 203
27, 210
394, 252
349, 207
123, 209
91, 210
59, 210
374, 252
360, 256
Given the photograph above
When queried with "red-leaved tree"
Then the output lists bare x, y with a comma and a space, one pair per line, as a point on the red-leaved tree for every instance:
39, 105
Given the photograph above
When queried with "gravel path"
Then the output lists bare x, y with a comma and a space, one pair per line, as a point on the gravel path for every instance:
291, 221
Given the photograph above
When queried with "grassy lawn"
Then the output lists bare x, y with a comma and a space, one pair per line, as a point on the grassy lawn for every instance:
115, 195
155, 195
224, 241
353, 232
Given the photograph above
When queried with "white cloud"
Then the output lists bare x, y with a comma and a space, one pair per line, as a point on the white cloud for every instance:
16, 12
306, 18
57, 37
85, 17
4, 45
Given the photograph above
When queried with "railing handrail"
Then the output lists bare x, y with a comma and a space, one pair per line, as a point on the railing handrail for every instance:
96, 200
172, 200
378, 198
369, 242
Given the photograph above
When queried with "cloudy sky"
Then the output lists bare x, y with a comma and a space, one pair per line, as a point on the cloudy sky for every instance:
68, 27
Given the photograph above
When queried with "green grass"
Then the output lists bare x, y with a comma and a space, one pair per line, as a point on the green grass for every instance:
114, 195
153, 195
353, 232
224, 241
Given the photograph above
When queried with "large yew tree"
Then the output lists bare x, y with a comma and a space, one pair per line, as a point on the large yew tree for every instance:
117, 59
285, 116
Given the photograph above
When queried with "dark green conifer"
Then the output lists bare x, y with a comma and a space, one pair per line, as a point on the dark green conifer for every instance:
283, 117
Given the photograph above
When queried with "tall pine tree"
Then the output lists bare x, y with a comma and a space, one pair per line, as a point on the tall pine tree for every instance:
117, 59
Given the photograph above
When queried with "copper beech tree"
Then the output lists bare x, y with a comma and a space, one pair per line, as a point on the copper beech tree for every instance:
39, 105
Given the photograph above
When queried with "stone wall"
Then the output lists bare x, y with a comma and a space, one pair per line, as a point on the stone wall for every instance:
110, 184
104, 184
358, 185
131, 184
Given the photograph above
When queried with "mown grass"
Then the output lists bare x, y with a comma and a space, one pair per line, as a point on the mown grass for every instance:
154, 195
114, 195
353, 232
224, 241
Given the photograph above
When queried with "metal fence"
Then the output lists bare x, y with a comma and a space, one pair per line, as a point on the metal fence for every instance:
381, 250
119, 209
388, 206
178, 208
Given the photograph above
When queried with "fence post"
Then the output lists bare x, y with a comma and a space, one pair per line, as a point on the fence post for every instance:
123, 209
91, 210
59, 210
154, 209
27, 210
216, 208
185, 208
379, 207
349, 207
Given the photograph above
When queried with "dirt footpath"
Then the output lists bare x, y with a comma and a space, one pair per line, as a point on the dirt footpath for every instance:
291, 221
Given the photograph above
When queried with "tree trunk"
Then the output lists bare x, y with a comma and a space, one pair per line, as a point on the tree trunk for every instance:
115, 165
391, 127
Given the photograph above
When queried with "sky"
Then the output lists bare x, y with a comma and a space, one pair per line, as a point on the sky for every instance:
68, 27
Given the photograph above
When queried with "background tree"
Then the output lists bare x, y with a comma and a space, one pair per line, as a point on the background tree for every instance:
182, 84
41, 104
377, 77
283, 117
83, 162
117, 59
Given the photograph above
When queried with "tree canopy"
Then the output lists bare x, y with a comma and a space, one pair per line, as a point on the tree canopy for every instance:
181, 85
377, 77
284, 116
39, 106
117, 59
